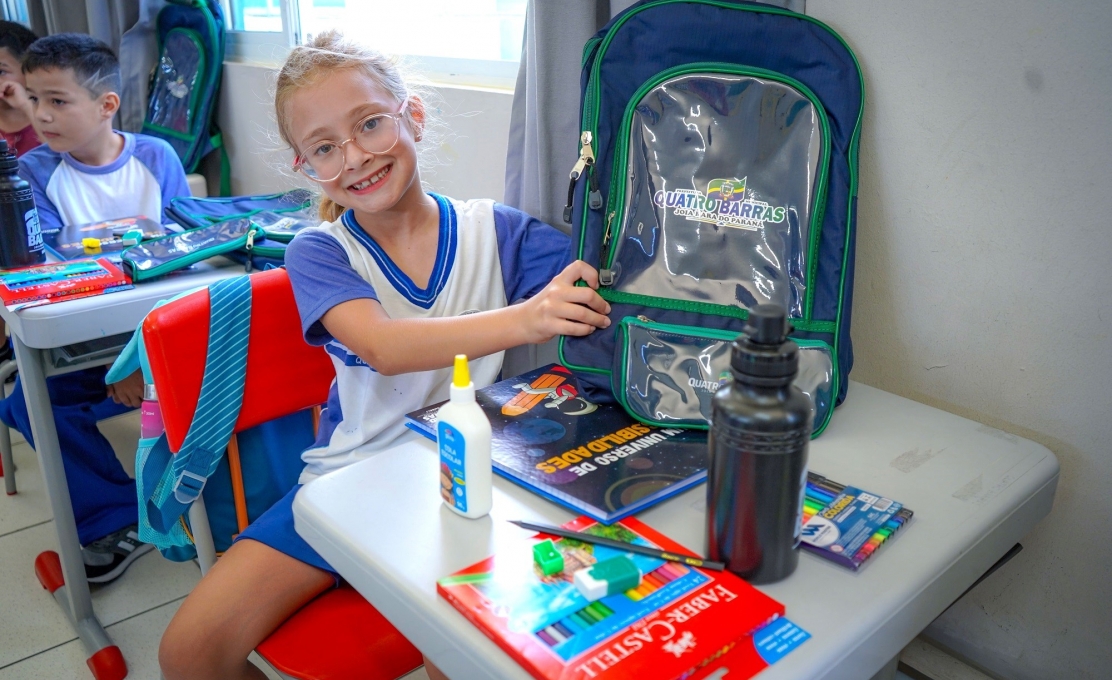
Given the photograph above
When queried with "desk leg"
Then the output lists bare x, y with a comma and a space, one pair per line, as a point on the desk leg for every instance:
63, 574
6, 370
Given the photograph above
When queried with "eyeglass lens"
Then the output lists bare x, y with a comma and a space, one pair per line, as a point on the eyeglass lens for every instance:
374, 134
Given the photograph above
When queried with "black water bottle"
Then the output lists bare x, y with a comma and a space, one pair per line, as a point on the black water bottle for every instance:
20, 238
760, 427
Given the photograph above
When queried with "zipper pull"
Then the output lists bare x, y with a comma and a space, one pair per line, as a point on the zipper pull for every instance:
586, 159
606, 276
644, 319
594, 198
248, 246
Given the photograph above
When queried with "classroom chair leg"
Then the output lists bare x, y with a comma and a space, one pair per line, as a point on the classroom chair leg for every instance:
7, 465
104, 659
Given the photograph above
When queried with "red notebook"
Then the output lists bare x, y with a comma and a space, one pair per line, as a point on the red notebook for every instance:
57, 281
677, 621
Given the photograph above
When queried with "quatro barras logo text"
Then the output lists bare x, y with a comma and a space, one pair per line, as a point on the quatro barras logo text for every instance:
724, 204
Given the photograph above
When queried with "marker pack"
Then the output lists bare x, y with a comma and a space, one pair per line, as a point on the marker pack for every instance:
845, 524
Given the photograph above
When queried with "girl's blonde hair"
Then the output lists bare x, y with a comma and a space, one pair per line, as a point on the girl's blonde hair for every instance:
324, 54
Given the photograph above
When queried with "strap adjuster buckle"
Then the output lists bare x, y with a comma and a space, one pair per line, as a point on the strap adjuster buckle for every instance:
188, 487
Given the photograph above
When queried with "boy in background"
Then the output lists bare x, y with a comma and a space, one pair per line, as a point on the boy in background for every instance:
15, 107
88, 172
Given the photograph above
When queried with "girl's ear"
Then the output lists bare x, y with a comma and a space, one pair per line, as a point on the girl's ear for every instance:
415, 111
109, 104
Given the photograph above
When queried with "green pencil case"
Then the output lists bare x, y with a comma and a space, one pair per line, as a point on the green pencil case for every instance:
160, 256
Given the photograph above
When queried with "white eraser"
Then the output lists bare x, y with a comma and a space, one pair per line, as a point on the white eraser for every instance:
588, 586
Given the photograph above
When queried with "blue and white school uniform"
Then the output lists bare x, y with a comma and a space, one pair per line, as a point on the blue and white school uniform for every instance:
489, 255
141, 181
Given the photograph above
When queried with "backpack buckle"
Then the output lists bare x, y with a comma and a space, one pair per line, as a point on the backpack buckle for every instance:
188, 487
606, 277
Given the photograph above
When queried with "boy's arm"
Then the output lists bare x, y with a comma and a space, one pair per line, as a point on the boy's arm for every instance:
394, 346
37, 168
163, 162
531, 252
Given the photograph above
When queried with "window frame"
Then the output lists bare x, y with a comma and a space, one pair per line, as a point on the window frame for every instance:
271, 47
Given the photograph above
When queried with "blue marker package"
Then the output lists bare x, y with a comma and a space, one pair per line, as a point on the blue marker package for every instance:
843, 529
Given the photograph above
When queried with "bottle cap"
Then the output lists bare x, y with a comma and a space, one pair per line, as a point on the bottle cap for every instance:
149, 392
8, 162
461, 376
763, 355
91, 245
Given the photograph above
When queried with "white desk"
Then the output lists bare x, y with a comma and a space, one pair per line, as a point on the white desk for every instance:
975, 492
36, 330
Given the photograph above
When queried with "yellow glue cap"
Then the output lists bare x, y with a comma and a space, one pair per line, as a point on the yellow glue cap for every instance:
91, 245
462, 376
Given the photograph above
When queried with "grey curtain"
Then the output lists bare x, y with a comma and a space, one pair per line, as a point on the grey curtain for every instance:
544, 125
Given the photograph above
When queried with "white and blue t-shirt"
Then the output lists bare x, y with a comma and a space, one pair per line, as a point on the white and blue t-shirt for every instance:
141, 181
489, 255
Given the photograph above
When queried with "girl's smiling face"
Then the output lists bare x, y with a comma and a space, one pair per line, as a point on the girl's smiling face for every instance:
329, 110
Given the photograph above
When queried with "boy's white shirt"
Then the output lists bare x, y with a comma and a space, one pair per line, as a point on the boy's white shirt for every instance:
81, 197
374, 405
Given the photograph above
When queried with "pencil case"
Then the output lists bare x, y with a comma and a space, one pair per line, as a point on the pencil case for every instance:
160, 256
666, 374
192, 213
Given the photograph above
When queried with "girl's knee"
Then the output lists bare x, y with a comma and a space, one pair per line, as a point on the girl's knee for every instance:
191, 649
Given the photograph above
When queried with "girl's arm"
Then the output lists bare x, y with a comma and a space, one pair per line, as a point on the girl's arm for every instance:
394, 346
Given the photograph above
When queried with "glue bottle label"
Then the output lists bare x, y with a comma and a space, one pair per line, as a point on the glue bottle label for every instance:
452, 454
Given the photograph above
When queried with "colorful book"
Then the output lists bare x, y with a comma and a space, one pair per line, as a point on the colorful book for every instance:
65, 243
54, 282
845, 524
593, 458
677, 621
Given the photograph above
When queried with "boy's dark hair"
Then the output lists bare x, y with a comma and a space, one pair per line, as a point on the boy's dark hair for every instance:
93, 63
16, 37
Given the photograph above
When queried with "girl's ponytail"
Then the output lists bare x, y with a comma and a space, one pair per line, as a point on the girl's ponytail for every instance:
330, 210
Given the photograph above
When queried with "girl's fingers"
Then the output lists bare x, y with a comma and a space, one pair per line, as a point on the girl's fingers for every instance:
576, 271
574, 312
576, 329
586, 296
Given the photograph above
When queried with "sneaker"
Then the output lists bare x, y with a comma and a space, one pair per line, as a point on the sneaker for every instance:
107, 558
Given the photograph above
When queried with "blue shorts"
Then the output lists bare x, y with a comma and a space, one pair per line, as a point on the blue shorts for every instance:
274, 528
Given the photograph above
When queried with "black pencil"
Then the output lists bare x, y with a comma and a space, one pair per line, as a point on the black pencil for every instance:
622, 545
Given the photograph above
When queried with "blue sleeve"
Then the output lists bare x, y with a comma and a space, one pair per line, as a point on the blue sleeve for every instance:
36, 166
163, 162
531, 252
322, 277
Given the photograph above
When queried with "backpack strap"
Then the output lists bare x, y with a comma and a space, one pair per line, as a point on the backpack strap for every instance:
217, 407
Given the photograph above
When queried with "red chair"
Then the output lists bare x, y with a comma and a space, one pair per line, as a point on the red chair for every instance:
337, 635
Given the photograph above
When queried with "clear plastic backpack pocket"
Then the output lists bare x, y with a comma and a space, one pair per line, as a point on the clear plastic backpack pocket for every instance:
716, 191
666, 375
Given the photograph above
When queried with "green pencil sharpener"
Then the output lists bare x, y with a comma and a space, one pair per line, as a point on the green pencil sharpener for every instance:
548, 558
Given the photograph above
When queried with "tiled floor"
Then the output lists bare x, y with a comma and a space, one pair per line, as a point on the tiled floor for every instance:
36, 641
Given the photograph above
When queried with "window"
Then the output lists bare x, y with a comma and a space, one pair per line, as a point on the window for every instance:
473, 41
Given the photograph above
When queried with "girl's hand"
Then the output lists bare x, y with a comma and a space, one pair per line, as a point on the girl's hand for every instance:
564, 308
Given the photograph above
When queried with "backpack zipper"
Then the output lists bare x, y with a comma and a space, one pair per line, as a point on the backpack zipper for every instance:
585, 162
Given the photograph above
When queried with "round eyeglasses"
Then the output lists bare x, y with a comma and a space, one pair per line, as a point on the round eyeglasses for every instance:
374, 134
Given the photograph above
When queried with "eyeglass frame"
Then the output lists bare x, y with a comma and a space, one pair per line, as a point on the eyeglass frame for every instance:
299, 160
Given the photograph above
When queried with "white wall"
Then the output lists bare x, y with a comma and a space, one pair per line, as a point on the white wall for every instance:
470, 161
984, 284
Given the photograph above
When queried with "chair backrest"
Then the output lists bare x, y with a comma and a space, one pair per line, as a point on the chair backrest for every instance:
284, 373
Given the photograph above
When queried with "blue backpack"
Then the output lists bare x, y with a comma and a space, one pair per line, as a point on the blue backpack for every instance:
717, 171
182, 102
270, 454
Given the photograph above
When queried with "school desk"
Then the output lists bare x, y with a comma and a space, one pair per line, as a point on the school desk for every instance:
35, 332
976, 491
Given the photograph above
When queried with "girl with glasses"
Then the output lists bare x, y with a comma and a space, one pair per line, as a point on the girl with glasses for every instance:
394, 284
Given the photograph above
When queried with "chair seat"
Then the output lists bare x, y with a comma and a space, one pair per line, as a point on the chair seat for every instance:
340, 636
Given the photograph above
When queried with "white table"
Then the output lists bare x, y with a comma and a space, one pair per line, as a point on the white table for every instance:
35, 331
975, 492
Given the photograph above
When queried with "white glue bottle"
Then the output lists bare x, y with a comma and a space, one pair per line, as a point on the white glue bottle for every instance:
463, 438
